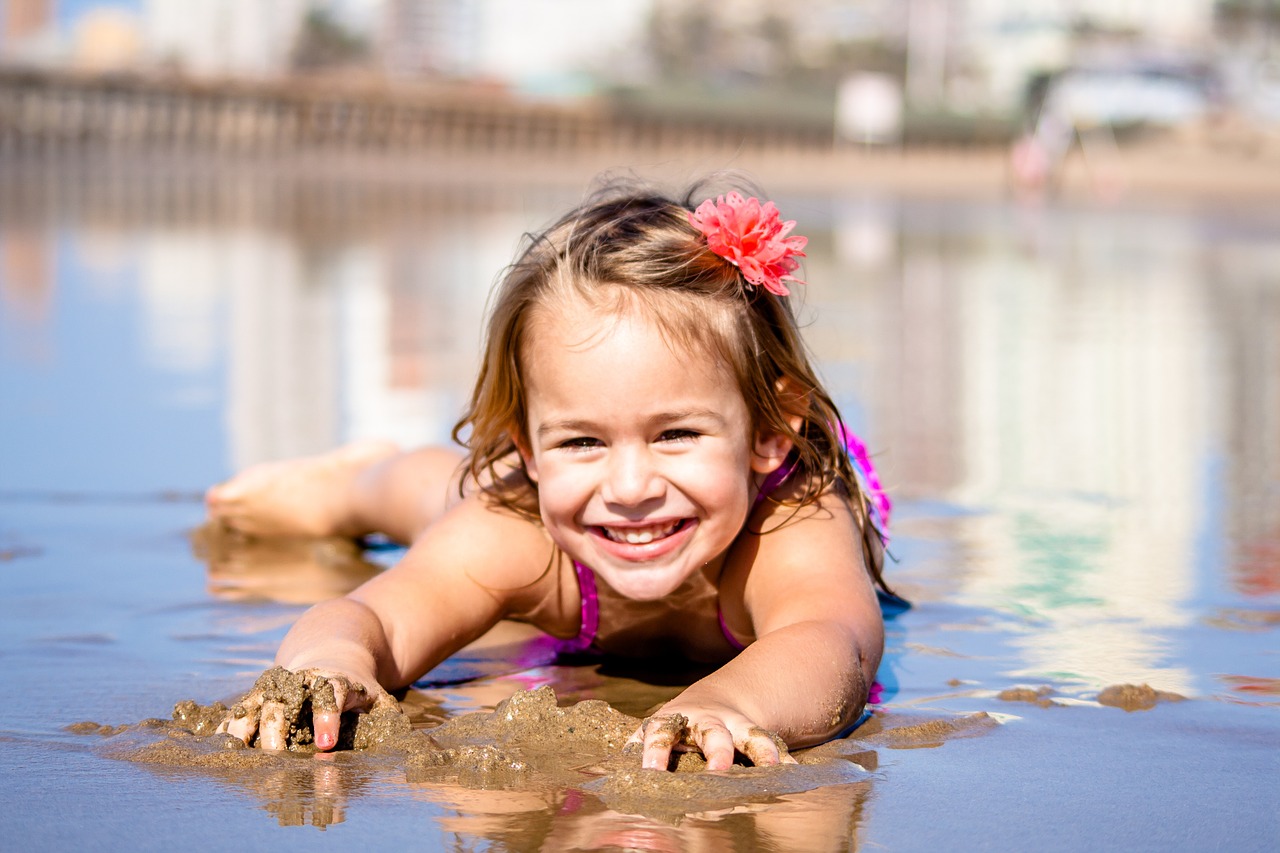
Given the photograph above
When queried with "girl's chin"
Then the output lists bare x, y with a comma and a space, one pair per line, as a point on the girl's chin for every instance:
644, 572
640, 584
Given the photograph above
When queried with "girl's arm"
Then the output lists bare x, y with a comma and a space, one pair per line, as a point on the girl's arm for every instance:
476, 565
820, 636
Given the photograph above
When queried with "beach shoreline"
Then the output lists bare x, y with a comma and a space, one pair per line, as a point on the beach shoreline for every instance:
1159, 169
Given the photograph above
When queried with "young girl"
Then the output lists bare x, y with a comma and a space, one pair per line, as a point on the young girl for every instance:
653, 470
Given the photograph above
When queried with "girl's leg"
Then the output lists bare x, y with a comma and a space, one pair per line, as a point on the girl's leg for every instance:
367, 487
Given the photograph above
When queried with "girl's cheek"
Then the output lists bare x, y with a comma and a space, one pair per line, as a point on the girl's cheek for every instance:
561, 487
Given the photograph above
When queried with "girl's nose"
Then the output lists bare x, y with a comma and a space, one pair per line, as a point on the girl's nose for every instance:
632, 478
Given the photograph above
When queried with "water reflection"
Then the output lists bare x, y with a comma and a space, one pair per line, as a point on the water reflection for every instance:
1061, 378
822, 820
1246, 308
284, 570
317, 792
26, 290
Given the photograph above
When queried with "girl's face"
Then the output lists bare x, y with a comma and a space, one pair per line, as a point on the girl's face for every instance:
643, 456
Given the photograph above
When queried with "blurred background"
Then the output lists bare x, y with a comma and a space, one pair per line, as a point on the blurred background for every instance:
1043, 285
360, 74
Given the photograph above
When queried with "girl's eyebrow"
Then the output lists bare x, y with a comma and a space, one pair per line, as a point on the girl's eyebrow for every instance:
564, 426
662, 419
688, 415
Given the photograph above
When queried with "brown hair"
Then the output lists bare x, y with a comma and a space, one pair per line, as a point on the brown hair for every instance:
630, 248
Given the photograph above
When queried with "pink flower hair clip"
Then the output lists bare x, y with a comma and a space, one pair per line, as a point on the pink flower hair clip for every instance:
752, 237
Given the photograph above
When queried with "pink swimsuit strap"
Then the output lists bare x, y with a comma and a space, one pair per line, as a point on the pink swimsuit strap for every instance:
582, 643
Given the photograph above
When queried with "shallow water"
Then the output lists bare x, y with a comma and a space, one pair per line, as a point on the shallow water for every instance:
1077, 408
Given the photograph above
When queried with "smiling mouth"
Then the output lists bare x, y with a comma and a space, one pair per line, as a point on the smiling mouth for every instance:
642, 535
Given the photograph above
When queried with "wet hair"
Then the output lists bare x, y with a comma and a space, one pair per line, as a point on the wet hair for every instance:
629, 248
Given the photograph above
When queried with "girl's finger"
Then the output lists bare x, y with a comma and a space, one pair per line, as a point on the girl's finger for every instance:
327, 725
763, 749
382, 702
243, 719
329, 699
716, 744
273, 728
657, 754
661, 734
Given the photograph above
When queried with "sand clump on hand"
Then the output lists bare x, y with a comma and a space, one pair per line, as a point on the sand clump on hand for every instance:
1135, 697
530, 742
191, 737
291, 698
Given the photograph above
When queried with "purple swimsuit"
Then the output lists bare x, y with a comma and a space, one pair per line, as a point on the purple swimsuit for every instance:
881, 507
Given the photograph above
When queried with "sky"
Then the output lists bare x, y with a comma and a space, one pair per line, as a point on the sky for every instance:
69, 11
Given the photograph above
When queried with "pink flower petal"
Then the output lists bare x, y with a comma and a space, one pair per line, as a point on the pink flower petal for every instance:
751, 236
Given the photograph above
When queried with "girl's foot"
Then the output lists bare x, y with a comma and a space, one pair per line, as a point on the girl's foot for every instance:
311, 496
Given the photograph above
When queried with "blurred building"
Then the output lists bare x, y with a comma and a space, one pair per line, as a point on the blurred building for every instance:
106, 39
239, 38
547, 47
26, 18
28, 31
419, 37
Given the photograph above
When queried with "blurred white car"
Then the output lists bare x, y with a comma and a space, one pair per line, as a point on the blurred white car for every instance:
1128, 96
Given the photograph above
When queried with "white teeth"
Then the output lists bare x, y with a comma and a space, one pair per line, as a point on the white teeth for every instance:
641, 536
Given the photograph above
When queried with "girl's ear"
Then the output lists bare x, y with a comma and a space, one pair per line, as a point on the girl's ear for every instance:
771, 446
770, 450
526, 453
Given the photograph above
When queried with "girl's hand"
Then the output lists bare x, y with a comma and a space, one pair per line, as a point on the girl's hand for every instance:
717, 732
274, 708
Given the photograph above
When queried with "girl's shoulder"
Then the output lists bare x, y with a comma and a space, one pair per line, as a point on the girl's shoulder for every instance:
795, 559
806, 514
792, 523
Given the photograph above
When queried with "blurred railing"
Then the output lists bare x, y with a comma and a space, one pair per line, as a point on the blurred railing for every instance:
51, 110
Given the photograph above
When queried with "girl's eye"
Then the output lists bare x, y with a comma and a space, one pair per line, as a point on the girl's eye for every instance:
580, 443
678, 435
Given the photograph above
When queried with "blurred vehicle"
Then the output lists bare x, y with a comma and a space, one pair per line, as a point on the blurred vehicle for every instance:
1130, 95
1091, 107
